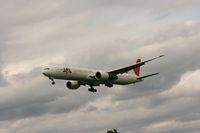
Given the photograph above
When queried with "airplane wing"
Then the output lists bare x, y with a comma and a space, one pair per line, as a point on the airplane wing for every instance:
126, 69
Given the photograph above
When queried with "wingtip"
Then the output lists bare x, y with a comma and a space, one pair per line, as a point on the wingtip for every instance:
162, 55
155, 74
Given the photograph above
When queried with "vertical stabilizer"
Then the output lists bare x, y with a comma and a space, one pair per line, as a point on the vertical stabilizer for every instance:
137, 70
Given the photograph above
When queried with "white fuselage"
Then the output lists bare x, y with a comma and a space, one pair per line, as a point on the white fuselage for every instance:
87, 76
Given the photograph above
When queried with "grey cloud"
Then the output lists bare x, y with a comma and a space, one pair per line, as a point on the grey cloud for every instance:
180, 46
35, 100
104, 35
3, 81
181, 109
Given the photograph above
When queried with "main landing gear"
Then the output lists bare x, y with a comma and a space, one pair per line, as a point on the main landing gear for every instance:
53, 82
109, 85
91, 89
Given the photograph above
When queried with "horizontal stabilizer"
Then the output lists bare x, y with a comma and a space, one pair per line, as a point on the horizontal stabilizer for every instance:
140, 78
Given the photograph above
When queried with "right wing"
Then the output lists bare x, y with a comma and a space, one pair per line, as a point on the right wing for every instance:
126, 69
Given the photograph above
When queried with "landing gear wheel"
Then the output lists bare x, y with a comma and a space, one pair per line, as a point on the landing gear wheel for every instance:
92, 90
53, 83
109, 85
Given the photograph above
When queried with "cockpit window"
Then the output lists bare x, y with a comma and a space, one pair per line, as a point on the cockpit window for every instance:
46, 68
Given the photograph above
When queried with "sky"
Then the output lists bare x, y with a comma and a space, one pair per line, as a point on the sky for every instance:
105, 35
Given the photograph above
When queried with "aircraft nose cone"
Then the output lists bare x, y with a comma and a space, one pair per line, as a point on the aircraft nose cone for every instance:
45, 72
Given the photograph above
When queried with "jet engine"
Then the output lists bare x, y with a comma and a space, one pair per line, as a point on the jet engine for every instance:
102, 75
73, 85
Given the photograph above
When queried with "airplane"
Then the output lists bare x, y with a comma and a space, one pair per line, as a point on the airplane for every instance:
77, 77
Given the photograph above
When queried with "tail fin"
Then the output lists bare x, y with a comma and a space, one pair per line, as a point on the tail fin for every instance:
137, 70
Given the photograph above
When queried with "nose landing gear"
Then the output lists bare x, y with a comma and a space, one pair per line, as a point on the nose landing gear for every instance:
53, 82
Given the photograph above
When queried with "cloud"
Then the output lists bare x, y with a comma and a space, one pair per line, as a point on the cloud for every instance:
2, 77
35, 97
179, 47
103, 35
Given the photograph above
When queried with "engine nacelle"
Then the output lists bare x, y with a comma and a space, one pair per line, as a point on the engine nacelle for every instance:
73, 85
102, 75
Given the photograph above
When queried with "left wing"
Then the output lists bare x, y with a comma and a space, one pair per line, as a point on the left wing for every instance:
126, 69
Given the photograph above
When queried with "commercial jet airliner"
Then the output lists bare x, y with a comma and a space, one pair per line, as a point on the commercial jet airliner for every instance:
77, 77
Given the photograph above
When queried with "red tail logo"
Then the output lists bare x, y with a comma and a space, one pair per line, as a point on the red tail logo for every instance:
137, 70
